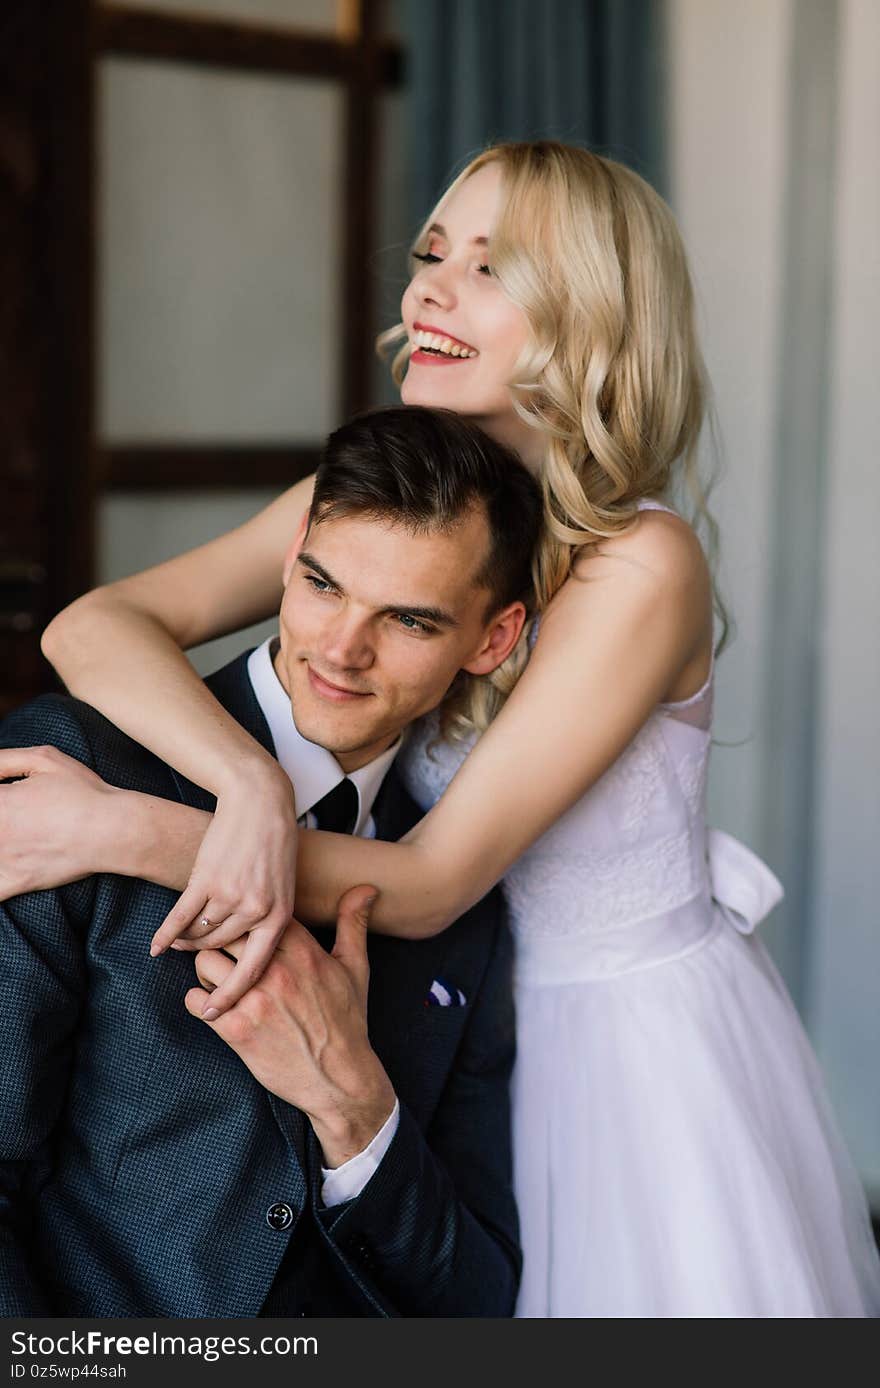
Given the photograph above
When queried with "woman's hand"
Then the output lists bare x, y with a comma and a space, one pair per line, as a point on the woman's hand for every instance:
243, 881
59, 823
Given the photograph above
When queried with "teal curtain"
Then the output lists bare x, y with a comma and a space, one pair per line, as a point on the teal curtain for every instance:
584, 71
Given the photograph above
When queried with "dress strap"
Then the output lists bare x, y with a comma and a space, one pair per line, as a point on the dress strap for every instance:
648, 503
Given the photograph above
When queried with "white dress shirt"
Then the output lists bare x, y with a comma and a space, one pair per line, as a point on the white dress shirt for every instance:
314, 772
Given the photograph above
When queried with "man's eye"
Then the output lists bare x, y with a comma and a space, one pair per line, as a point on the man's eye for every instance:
413, 624
320, 585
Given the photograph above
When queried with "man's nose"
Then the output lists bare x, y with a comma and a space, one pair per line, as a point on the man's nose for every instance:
347, 643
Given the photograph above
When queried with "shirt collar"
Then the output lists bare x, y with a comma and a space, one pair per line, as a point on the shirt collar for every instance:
313, 770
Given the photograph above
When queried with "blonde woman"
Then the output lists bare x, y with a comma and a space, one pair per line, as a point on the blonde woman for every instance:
674, 1152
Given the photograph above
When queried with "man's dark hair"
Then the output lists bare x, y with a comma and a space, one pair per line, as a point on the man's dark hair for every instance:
426, 470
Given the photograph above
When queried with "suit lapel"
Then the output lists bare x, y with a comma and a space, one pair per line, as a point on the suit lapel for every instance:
232, 687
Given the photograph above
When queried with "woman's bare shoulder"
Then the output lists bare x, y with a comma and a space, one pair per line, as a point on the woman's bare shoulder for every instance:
649, 584
660, 546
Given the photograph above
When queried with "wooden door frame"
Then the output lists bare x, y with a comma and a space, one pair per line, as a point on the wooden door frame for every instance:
53, 466
365, 65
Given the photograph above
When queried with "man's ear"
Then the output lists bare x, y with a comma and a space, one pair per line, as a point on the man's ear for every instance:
498, 641
296, 545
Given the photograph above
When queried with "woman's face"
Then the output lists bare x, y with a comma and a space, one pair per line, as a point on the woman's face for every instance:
466, 334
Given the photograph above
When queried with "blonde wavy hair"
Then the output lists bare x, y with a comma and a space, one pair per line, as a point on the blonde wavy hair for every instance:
612, 375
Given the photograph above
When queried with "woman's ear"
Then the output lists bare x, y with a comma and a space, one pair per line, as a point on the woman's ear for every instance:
296, 545
498, 641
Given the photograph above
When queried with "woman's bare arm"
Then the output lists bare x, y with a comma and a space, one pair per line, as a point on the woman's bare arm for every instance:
620, 637
121, 647
617, 640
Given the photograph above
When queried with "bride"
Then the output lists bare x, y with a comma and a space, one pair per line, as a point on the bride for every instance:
675, 1154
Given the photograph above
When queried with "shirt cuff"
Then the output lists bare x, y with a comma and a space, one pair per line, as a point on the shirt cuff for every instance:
344, 1182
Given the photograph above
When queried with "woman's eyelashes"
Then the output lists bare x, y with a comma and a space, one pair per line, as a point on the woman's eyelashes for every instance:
429, 258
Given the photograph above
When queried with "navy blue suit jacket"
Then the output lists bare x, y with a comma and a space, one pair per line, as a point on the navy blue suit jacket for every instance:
139, 1157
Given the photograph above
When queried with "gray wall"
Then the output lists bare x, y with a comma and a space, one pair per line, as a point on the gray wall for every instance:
775, 124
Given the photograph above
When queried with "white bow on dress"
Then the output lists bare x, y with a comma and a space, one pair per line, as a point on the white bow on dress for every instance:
742, 884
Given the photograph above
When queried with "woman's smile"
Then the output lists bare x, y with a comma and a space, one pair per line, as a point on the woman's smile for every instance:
431, 345
457, 314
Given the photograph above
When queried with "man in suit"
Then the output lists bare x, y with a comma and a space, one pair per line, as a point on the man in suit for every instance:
155, 1165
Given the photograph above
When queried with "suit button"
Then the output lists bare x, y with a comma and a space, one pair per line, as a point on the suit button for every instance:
364, 1254
279, 1216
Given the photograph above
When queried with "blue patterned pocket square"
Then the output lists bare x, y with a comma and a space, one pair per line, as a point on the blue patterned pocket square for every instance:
443, 994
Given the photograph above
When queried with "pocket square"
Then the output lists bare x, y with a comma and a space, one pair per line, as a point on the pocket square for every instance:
443, 994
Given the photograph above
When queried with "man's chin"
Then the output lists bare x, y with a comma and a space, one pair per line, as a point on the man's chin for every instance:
322, 731
329, 731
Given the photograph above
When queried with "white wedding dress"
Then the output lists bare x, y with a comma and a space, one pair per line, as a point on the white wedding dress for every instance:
674, 1150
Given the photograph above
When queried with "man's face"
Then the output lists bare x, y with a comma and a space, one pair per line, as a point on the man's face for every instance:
375, 624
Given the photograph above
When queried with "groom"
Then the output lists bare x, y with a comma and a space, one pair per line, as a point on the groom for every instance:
150, 1167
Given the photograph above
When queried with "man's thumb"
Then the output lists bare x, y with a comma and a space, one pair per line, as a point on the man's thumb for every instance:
352, 920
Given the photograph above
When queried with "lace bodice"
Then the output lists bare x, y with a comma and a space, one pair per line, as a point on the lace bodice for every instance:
632, 845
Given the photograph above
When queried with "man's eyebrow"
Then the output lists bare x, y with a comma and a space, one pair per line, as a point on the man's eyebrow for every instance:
435, 615
310, 563
441, 231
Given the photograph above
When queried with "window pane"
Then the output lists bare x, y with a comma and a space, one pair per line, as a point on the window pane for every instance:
321, 15
138, 529
219, 254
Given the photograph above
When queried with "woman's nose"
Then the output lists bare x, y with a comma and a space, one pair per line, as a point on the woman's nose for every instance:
435, 286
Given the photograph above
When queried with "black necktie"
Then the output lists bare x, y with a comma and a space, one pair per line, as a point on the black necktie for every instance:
338, 809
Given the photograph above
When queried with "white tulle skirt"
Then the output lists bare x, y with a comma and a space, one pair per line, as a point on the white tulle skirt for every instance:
675, 1153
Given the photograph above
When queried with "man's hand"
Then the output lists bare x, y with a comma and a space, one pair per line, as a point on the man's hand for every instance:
57, 824
301, 1030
